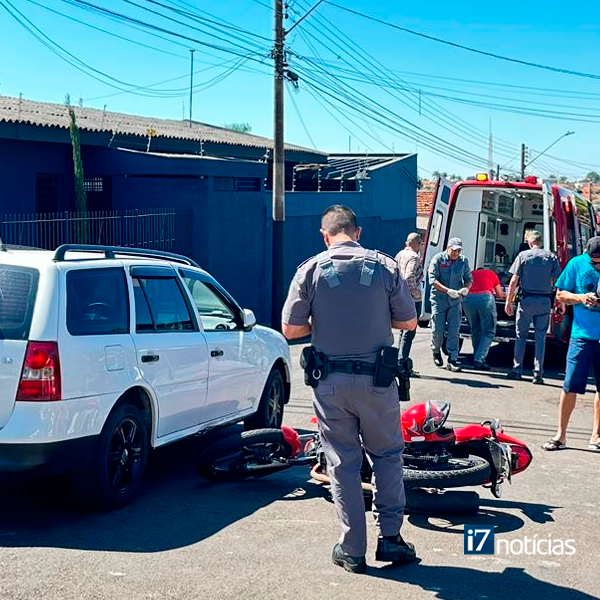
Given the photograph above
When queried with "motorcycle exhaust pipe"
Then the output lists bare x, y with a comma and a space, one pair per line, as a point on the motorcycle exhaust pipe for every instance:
269, 468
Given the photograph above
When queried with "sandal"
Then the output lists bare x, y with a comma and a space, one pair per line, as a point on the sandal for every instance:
595, 447
554, 445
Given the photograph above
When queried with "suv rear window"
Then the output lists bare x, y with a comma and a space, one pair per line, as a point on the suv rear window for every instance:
97, 302
18, 287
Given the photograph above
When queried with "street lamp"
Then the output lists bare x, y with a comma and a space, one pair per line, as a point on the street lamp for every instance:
548, 148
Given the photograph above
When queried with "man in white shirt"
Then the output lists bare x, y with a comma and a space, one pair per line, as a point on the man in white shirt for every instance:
411, 269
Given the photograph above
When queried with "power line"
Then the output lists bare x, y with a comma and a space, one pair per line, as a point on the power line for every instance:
129, 19
101, 30
363, 58
299, 115
467, 48
371, 65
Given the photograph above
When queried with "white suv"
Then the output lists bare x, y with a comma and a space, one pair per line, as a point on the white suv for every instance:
106, 352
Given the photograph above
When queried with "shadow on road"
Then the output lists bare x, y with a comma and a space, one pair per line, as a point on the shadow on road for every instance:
460, 583
502, 522
538, 513
174, 508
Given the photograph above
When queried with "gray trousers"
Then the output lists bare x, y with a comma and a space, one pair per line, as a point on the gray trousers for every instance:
442, 315
353, 414
480, 310
407, 337
536, 309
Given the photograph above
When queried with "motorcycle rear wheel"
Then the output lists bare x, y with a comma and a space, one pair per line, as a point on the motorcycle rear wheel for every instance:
458, 472
249, 454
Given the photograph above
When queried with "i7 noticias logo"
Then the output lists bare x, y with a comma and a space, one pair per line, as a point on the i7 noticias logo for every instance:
479, 539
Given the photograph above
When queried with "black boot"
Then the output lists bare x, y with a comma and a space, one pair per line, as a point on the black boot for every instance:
354, 564
395, 550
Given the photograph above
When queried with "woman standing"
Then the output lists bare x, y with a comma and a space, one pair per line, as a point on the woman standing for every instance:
480, 310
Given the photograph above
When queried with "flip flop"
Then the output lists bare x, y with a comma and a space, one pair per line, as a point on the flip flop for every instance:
595, 446
555, 445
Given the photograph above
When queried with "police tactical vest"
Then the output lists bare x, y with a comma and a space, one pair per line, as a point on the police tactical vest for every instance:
350, 309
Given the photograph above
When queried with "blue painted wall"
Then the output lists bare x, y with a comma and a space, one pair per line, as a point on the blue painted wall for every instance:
385, 208
231, 231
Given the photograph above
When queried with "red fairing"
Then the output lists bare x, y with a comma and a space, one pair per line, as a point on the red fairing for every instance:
472, 432
521, 453
290, 435
519, 450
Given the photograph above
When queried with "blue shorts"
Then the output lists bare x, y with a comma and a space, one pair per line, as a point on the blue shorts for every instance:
582, 355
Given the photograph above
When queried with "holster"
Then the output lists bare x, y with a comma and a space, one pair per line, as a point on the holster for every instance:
385, 366
403, 371
314, 364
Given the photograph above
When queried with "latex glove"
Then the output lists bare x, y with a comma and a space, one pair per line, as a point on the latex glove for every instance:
454, 294
463, 291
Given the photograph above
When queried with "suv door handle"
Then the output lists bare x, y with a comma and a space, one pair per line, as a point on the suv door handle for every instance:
150, 358
214, 353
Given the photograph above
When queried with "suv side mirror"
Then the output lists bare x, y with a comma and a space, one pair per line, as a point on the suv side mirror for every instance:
249, 319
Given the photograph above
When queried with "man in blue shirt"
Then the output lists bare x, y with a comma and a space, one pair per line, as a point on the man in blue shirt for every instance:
578, 285
450, 279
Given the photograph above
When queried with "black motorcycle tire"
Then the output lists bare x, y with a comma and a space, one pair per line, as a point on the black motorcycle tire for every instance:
229, 459
461, 472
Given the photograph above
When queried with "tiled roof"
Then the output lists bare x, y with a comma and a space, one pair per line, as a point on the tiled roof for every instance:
15, 110
424, 201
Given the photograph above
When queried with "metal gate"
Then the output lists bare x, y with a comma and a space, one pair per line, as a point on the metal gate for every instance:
155, 228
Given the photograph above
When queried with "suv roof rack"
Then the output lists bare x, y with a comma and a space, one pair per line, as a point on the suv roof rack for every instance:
111, 251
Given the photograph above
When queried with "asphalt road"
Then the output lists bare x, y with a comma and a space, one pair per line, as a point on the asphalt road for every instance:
271, 538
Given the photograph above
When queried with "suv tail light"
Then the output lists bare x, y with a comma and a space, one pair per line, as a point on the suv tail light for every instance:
40, 378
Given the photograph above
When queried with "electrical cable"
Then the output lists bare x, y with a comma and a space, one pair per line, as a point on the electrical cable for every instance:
371, 64
299, 115
467, 48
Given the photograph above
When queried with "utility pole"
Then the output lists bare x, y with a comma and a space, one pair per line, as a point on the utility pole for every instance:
191, 80
277, 297
278, 171
523, 159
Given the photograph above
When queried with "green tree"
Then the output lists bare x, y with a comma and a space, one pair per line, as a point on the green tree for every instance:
593, 177
239, 127
80, 195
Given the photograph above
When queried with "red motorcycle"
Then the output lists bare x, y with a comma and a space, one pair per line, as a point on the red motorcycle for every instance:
435, 456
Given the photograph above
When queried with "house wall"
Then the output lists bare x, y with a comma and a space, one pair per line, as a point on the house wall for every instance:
231, 230
385, 209
21, 161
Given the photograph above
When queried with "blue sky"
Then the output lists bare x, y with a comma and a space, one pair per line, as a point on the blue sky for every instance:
362, 86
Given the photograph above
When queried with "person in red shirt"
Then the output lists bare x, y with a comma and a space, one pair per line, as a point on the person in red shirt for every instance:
480, 309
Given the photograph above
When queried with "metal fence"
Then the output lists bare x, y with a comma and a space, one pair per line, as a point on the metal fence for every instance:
155, 228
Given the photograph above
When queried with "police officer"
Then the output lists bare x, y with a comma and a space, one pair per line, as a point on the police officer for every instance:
534, 272
450, 280
349, 299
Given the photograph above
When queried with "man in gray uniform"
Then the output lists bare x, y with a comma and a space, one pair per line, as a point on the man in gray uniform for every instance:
534, 273
450, 280
349, 299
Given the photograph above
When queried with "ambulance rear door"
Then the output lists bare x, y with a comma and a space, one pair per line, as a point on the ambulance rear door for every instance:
435, 238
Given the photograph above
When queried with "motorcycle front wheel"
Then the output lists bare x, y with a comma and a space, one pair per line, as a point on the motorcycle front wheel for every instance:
457, 472
249, 454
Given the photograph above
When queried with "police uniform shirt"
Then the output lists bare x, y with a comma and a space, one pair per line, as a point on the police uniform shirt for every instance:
537, 269
350, 319
454, 274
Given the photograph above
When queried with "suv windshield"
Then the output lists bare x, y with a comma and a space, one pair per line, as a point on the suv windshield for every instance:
18, 287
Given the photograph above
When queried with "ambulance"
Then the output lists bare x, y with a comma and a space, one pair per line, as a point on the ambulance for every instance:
492, 218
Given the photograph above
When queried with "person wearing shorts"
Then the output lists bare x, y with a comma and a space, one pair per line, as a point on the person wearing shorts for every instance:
578, 285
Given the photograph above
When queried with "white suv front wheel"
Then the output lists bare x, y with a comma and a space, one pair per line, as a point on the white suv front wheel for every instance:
270, 408
119, 463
